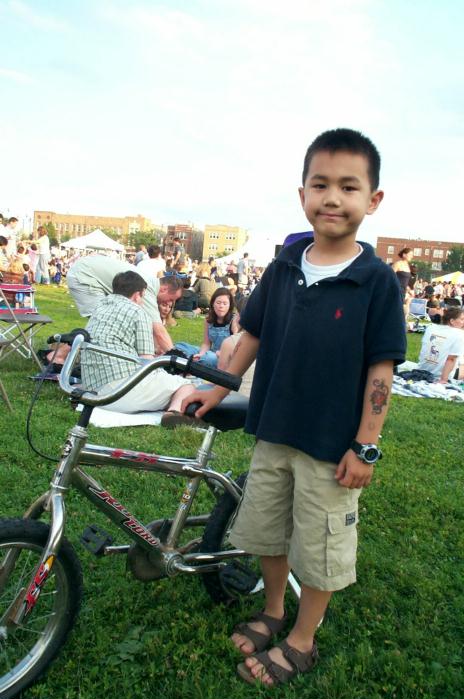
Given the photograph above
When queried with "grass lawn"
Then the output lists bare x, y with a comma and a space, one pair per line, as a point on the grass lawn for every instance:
398, 633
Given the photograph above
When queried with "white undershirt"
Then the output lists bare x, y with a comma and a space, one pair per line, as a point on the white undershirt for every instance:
315, 273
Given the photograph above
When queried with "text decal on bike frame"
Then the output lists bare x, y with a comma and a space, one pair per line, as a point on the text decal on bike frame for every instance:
32, 595
131, 523
137, 456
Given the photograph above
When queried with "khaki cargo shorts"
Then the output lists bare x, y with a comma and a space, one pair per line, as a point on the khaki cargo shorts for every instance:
293, 506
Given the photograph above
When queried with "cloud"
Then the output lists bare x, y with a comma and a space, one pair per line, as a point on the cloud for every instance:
35, 18
16, 75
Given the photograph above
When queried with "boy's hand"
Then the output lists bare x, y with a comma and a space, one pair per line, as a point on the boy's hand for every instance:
209, 399
352, 472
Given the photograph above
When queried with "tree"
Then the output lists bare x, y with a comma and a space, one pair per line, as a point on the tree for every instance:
147, 238
51, 232
424, 270
455, 260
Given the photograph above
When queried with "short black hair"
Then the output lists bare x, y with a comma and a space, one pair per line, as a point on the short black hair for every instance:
452, 313
13, 219
127, 283
153, 251
346, 140
3, 240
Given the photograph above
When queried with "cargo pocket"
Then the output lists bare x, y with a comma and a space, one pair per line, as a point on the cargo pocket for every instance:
342, 540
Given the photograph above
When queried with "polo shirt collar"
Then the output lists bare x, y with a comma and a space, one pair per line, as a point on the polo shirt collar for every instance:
359, 271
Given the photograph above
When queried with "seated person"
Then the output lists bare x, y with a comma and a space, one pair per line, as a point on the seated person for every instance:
165, 311
219, 324
204, 286
434, 308
187, 305
228, 348
443, 347
119, 323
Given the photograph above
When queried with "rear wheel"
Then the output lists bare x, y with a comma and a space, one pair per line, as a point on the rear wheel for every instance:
240, 577
27, 648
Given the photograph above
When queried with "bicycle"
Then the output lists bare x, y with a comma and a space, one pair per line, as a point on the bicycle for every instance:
40, 574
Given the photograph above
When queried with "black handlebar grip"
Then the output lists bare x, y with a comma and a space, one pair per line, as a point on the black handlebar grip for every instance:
221, 378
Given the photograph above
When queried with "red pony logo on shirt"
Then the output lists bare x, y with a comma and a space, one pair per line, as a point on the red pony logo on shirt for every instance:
338, 313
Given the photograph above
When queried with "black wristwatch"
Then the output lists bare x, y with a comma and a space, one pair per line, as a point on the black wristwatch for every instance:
368, 453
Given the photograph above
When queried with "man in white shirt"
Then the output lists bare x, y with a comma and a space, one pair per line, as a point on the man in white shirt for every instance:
152, 266
91, 278
443, 346
10, 234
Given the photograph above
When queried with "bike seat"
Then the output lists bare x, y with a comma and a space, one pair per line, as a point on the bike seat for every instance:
230, 414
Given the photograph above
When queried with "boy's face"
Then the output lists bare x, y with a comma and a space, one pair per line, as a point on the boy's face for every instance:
337, 194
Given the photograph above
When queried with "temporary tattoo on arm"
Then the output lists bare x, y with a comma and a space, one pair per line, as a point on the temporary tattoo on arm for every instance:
379, 396
235, 350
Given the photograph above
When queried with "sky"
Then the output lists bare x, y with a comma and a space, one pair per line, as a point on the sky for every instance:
200, 111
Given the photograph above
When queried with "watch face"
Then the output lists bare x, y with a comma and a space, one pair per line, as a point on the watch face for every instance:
371, 454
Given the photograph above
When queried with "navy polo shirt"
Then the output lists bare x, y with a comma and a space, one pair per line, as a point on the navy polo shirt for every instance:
316, 345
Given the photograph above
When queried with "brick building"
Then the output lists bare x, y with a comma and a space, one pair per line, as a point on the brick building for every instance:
432, 251
222, 239
74, 225
190, 238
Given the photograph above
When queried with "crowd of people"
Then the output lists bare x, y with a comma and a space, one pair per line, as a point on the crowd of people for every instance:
439, 294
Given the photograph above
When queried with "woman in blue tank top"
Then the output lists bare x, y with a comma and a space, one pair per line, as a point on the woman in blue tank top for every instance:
220, 323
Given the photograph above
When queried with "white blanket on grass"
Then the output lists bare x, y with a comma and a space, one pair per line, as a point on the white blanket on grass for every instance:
452, 391
111, 418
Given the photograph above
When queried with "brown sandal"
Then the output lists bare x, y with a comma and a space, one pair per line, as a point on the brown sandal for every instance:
300, 662
261, 640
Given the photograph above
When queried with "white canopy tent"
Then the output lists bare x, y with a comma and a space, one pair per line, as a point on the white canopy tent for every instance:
96, 240
453, 277
260, 249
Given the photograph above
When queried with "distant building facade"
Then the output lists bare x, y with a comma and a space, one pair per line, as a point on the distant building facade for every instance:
74, 225
220, 238
434, 252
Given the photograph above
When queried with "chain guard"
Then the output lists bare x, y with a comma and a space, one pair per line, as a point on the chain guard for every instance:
141, 563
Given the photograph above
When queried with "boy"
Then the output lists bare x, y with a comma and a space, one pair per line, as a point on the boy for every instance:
326, 326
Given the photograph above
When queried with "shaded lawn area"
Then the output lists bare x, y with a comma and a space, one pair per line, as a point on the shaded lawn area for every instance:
397, 633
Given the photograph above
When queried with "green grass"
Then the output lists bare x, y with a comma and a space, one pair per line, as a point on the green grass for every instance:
395, 634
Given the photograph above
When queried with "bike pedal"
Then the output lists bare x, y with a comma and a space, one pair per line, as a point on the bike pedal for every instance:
239, 578
95, 539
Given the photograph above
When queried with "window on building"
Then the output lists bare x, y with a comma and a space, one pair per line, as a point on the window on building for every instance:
436, 266
427, 251
229, 248
182, 236
230, 236
391, 249
417, 252
213, 246
438, 253
389, 260
214, 235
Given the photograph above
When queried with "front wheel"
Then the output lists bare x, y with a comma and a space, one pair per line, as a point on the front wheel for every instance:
27, 648
241, 576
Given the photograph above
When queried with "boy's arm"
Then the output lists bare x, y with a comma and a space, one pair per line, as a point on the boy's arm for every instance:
243, 357
351, 471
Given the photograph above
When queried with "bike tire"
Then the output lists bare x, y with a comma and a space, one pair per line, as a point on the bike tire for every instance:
215, 537
27, 650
